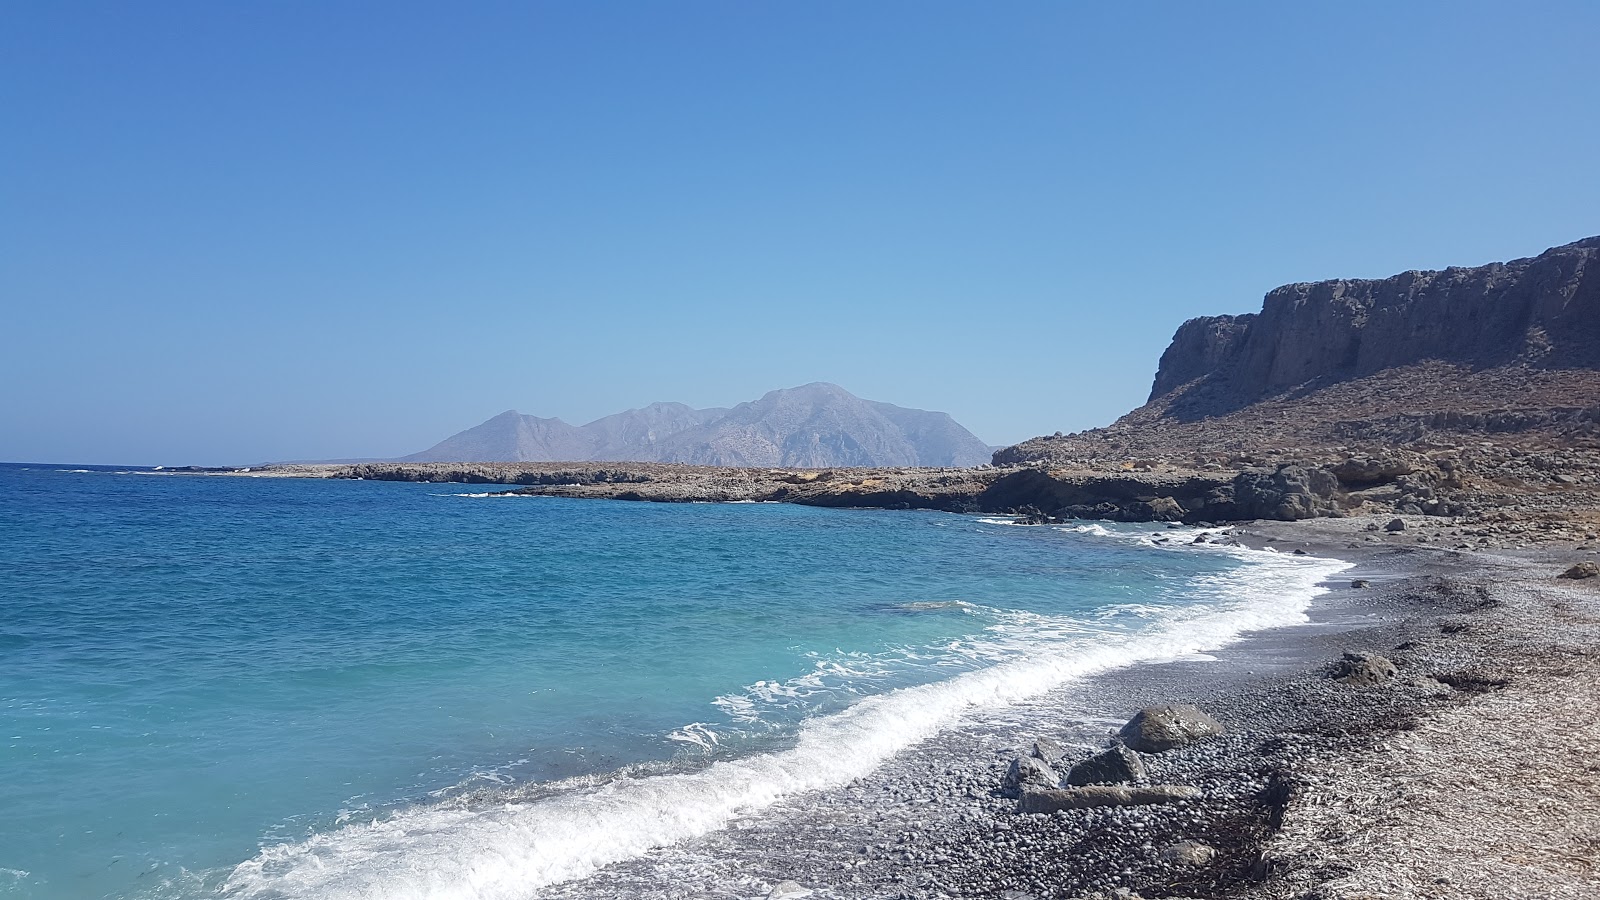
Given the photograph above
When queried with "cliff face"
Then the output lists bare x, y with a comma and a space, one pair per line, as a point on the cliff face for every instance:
1543, 311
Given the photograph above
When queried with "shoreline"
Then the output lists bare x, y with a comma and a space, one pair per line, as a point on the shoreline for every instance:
931, 823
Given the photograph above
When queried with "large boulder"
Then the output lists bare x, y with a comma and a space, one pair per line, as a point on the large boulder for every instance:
1028, 771
1045, 800
1364, 670
1117, 765
1287, 493
1157, 729
1364, 470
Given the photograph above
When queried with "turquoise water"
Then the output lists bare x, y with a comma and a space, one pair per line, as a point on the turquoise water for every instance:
287, 687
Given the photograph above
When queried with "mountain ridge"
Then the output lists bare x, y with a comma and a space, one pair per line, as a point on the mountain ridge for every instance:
813, 425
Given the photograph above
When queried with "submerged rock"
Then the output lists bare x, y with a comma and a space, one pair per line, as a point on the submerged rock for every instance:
1157, 729
1115, 766
1029, 771
1047, 800
1364, 670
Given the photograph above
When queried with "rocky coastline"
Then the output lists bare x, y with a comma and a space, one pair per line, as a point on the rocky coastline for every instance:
1425, 735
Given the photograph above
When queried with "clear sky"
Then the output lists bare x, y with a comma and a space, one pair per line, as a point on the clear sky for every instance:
234, 232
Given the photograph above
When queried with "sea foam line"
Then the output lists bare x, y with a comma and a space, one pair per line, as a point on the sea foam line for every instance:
509, 850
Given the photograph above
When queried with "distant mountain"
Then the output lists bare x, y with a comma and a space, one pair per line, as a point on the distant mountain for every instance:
815, 425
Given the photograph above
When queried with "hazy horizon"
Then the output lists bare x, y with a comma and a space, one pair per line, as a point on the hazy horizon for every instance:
237, 234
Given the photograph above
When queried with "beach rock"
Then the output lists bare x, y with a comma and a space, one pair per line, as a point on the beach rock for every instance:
1190, 854
1047, 800
1363, 670
1397, 524
1156, 729
1428, 684
1360, 583
1585, 569
1047, 750
1117, 765
1028, 771
1370, 470
787, 890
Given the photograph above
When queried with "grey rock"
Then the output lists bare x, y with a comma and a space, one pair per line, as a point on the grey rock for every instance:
1048, 750
1364, 670
1360, 583
1585, 569
1117, 765
1191, 854
1028, 771
1396, 525
1156, 729
1047, 800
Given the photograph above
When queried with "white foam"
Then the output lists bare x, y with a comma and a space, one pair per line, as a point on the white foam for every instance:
511, 849
993, 521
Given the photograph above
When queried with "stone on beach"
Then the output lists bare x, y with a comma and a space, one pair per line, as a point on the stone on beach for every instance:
1048, 800
1029, 771
1048, 750
1363, 670
1157, 729
1189, 853
1114, 766
1585, 569
787, 890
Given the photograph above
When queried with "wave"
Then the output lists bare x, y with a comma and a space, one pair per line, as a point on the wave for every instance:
506, 847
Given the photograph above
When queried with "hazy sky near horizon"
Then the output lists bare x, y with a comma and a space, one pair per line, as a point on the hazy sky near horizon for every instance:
231, 233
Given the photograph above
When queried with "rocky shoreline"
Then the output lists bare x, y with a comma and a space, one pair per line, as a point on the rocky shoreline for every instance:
1454, 764
1466, 497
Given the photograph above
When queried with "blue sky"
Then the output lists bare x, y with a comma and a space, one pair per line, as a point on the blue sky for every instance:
239, 232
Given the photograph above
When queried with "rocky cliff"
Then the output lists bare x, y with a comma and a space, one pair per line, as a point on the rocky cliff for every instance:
1542, 312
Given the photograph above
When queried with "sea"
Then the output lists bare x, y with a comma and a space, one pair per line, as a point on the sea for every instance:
216, 686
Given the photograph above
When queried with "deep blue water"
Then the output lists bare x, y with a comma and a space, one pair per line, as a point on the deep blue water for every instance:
289, 687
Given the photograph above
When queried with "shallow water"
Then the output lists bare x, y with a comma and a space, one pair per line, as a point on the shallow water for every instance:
305, 688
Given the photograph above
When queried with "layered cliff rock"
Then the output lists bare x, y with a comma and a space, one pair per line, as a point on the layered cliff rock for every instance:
1543, 311
1505, 349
